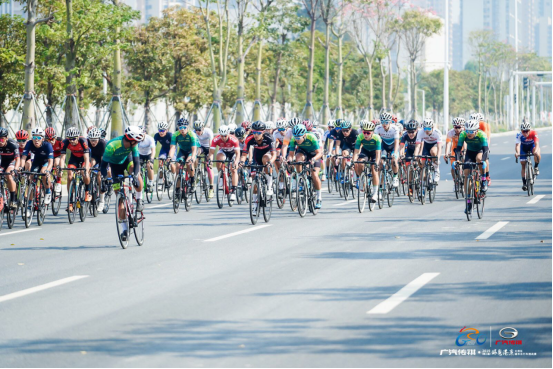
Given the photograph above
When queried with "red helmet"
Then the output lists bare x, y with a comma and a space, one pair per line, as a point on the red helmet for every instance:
246, 124
394, 118
308, 124
22, 135
376, 122
50, 133
89, 128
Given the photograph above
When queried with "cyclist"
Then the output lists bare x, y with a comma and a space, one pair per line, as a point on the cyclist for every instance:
345, 140
333, 150
429, 142
247, 125
368, 147
43, 159
232, 128
278, 137
408, 143
80, 157
163, 137
326, 140
205, 136
288, 136
398, 126
484, 127
311, 128
305, 146
451, 140
97, 147
389, 134
22, 137
260, 147
57, 145
527, 142
270, 127
229, 149
122, 154
103, 133
147, 153
9, 160
477, 149
188, 144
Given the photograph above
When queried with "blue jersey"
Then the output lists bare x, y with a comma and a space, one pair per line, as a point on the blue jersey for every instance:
42, 153
165, 142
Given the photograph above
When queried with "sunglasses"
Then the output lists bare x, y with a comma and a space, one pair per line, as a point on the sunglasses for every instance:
3, 138
257, 132
282, 129
470, 132
386, 121
367, 132
299, 137
71, 139
427, 129
21, 140
198, 130
526, 131
411, 132
457, 127
162, 130
37, 138
183, 127
346, 129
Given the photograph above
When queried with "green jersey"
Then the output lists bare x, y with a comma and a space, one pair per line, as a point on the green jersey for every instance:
116, 153
375, 143
473, 144
310, 144
186, 142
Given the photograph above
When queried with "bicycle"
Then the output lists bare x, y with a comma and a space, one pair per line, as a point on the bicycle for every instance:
386, 188
107, 187
475, 195
202, 181
164, 175
148, 190
5, 202
364, 188
427, 179
347, 180
94, 192
260, 201
403, 180
56, 196
223, 189
412, 179
458, 183
34, 199
330, 176
184, 193
529, 174
305, 195
76, 196
283, 185
243, 188
133, 219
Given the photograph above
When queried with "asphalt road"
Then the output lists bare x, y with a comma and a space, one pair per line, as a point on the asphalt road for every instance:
295, 293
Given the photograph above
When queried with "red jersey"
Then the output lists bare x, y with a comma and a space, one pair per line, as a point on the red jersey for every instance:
229, 145
57, 145
78, 149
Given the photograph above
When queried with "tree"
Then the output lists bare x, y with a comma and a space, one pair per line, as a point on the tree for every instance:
416, 27
312, 9
328, 13
480, 42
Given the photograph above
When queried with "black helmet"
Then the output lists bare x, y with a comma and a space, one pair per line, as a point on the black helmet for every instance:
3, 132
411, 125
240, 132
258, 126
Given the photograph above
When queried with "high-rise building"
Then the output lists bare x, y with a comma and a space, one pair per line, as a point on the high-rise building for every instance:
12, 7
542, 29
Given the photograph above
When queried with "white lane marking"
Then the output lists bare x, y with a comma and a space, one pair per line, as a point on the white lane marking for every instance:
344, 203
505, 158
159, 206
23, 230
397, 298
536, 199
42, 287
255, 228
505, 142
496, 227
494, 144
544, 146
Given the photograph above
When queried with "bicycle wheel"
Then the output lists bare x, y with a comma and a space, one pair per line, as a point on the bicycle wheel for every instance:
281, 188
107, 201
456, 184
390, 191
11, 213
170, 183
93, 207
254, 201
422, 184
160, 184
21, 197
430, 186
267, 205
339, 181
81, 203
138, 228
199, 193
404, 180
529, 177
40, 206
369, 185
362, 192
177, 196
245, 186
187, 195
29, 209
119, 221
56, 202
346, 185
149, 192
480, 204
3, 204
381, 188
227, 189
469, 198
294, 191
302, 196
330, 178
220, 189
72, 202
312, 199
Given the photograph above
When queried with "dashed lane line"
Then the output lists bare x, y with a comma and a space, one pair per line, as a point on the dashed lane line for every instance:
536, 199
23, 230
496, 227
42, 287
255, 228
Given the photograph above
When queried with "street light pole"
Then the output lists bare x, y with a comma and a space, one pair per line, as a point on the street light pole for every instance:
516, 97
446, 70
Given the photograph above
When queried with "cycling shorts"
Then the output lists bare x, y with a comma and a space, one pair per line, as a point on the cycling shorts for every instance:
370, 155
389, 149
525, 150
426, 147
75, 162
309, 156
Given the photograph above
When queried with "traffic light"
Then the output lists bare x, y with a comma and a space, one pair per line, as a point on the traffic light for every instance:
525, 82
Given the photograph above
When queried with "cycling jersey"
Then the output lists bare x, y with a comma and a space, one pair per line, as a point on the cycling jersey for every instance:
57, 145
434, 138
333, 135
409, 143
388, 137
227, 146
164, 141
484, 127
77, 149
531, 140
267, 143
9, 153
278, 137
348, 143
147, 146
453, 138
206, 137
318, 134
375, 143
116, 153
473, 144
309, 144
97, 151
186, 141
41, 153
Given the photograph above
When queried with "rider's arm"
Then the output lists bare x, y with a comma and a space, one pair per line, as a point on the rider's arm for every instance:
50, 164
171, 152
318, 154
378, 155
193, 153
355, 154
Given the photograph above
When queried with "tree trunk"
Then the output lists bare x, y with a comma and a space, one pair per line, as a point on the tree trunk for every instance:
501, 97
71, 110
486, 91
257, 107
494, 104
308, 110
383, 84
371, 91
275, 87
326, 89
147, 111
413, 91
283, 103
239, 118
116, 107
479, 89
390, 82
28, 120
339, 82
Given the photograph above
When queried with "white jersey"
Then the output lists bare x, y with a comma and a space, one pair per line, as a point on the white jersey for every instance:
206, 137
399, 128
146, 146
279, 138
435, 137
319, 133
389, 136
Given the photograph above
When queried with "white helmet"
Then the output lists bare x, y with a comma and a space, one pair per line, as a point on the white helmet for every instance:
72, 132
294, 121
525, 126
472, 125
224, 130
331, 123
480, 116
94, 133
270, 125
315, 123
475, 116
37, 132
367, 125
281, 123
134, 133
163, 126
198, 125
428, 123
232, 127
458, 121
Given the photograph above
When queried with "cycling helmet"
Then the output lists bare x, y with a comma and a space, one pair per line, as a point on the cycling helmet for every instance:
22, 135
134, 133
183, 122
224, 130
232, 128
299, 130
331, 123
428, 123
103, 133
294, 121
94, 134
50, 133
281, 124
411, 125
386, 117
259, 126
72, 132
338, 123
246, 124
458, 121
198, 125
346, 124
269, 125
480, 116
524, 126
475, 116
367, 126
402, 122
37, 132
308, 125
240, 132
3, 132
394, 118
472, 125
315, 123
163, 126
